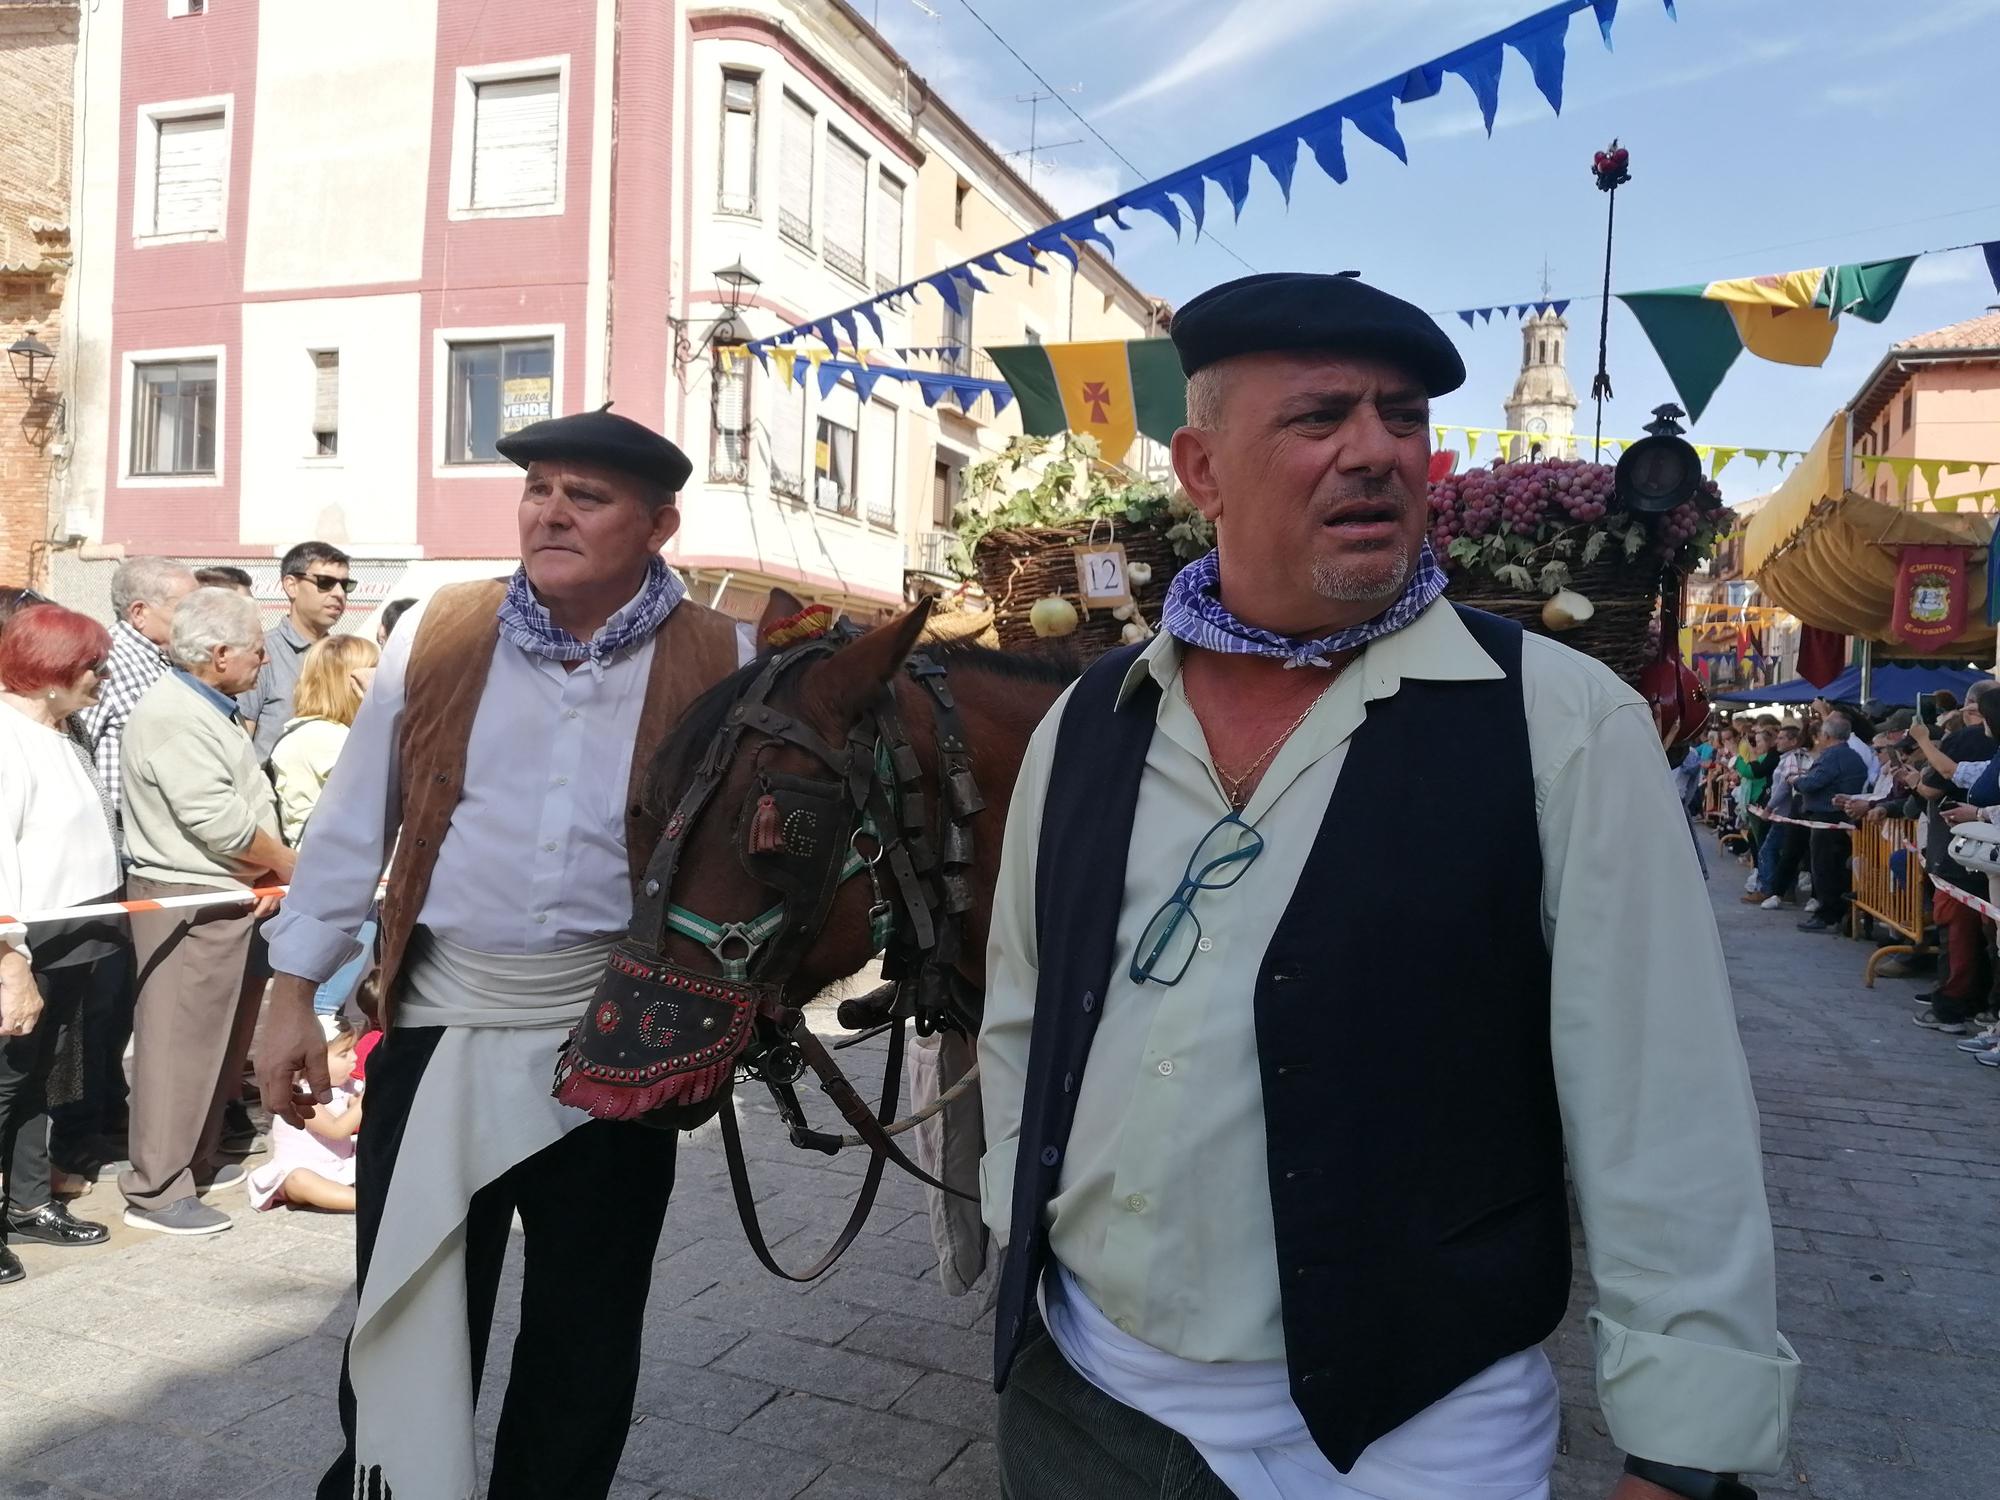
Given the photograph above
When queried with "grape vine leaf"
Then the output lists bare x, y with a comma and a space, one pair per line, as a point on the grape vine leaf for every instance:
1464, 549
1515, 577
1555, 577
1635, 539
1595, 546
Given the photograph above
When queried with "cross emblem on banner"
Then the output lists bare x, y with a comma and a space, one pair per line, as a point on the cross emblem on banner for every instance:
1097, 396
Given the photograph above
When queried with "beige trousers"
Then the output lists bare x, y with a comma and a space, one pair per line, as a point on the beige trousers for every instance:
201, 982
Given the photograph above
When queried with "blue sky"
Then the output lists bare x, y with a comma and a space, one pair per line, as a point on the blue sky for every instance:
1765, 137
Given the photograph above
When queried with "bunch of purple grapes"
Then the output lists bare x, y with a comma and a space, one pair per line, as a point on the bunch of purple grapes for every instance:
1519, 499
1679, 526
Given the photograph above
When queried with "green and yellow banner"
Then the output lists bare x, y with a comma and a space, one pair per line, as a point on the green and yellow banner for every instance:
1113, 390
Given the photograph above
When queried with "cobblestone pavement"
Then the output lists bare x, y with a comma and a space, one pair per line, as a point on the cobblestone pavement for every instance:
204, 1370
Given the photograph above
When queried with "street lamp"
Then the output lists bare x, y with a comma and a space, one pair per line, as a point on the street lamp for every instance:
1661, 471
26, 355
736, 283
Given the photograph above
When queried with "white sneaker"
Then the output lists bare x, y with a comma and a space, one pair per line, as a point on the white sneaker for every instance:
1750, 884
1772, 903
1812, 905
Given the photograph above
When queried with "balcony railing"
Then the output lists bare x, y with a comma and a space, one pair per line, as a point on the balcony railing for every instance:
934, 552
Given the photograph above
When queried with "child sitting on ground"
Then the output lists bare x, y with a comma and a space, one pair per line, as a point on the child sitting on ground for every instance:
314, 1167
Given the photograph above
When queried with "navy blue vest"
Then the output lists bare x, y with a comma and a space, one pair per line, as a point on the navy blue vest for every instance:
1402, 1010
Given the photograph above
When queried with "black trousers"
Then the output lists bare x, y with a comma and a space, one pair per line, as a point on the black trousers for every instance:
106, 1020
1791, 853
1061, 1438
25, 1064
591, 1209
1832, 876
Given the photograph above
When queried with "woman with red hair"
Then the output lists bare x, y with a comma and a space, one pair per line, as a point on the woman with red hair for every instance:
57, 850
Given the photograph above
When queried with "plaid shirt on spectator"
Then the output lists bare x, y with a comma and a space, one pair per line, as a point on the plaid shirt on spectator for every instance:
134, 664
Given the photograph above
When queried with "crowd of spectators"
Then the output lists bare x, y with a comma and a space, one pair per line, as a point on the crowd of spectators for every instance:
1788, 795
177, 753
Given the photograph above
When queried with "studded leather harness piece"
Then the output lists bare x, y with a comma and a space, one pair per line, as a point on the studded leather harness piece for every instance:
664, 1043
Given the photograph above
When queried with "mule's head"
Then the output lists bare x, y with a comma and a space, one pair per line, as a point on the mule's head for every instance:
780, 820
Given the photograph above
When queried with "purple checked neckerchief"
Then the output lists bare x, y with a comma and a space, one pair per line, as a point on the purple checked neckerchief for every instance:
526, 623
1194, 615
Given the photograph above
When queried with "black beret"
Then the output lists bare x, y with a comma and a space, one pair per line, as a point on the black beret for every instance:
601, 437
1307, 310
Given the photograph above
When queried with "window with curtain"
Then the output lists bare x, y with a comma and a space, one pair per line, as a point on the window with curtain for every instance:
173, 417
845, 234
326, 402
836, 482
737, 189
795, 174
788, 440
496, 389
881, 459
516, 135
729, 411
187, 174
888, 232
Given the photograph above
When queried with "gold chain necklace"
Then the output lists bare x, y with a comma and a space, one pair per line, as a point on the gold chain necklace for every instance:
1233, 785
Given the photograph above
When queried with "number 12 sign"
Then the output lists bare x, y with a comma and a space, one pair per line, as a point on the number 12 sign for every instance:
1100, 576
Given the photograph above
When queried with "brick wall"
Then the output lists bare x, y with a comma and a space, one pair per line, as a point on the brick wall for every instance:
37, 59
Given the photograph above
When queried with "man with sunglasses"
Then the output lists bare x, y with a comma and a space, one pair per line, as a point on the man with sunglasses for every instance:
317, 582
1289, 1023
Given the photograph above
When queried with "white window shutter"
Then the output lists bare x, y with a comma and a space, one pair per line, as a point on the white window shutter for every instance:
326, 390
187, 182
795, 176
737, 192
846, 207
788, 436
516, 128
879, 461
888, 233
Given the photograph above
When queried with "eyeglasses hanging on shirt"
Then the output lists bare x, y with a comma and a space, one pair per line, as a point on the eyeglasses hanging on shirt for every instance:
1168, 945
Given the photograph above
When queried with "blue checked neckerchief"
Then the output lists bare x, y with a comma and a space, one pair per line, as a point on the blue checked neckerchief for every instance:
1194, 615
526, 623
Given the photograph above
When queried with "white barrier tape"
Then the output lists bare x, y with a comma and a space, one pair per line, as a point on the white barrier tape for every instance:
165, 903
1771, 817
1966, 898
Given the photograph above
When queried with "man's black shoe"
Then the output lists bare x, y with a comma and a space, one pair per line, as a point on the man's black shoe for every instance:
1814, 924
54, 1224
239, 1132
11, 1268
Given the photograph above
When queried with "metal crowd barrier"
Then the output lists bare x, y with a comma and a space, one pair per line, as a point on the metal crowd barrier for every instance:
1889, 886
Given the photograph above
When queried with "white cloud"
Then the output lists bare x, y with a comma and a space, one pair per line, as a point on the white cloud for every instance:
1947, 270
1248, 30
1071, 188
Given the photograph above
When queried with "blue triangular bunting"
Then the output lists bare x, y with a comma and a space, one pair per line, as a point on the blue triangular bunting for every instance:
1421, 82
865, 380
1374, 115
1327, 148
1991, 250
1193, 191
1671, 16
1606, 10
849, 328
1020, 254
933, 388
1541, 46
1233, 177
1153, 200
1466, 314
1485, 314
867, 310
1051, 241
946, 288
1280, 154
1081, 233
1561, 307
992, 263
1482, 72
829, 377
1003, 397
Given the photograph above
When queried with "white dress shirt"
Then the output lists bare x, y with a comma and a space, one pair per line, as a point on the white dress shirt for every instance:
1163, 1210
534, 859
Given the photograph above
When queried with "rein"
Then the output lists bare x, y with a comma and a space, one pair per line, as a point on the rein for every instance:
804, 837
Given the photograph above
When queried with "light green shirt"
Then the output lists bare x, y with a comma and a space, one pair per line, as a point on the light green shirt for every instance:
1163, 1210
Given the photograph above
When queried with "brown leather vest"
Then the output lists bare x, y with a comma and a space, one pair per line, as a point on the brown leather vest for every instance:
449, 660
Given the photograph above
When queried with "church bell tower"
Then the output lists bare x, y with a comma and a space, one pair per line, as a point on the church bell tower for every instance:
1543, 404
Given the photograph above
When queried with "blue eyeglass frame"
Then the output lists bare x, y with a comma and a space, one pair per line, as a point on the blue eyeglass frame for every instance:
1179, 907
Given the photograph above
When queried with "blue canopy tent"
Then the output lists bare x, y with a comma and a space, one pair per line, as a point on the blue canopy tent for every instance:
1893, 682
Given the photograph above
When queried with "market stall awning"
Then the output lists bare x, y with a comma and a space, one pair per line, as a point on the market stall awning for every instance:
1830, 556
1889, 682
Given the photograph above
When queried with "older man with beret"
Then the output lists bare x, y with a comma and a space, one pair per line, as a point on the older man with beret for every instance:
505, 737
1265, 1235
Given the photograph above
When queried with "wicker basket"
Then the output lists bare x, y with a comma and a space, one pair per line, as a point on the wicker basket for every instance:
1617, 634
1023, 564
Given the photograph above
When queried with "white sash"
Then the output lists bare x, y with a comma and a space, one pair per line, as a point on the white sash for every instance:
1494, 1438
483, 1105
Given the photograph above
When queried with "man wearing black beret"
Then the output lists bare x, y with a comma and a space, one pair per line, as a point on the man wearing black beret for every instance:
498, 754
1276, 1118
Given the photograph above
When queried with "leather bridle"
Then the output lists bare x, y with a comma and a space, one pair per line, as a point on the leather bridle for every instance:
862, 811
